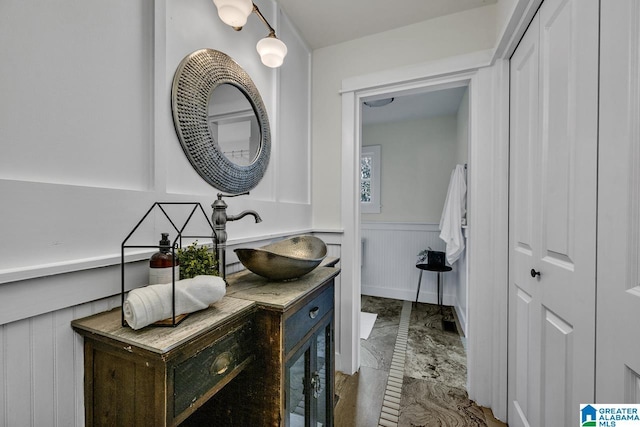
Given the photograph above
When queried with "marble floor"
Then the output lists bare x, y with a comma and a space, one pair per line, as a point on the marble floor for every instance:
428, 387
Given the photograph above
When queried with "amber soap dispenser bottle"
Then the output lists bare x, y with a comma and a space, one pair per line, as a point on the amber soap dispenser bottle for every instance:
162, 263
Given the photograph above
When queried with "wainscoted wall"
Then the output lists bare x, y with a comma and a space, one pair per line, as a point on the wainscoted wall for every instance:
74, 185
41, 368
42, 359
389, 252
462, 290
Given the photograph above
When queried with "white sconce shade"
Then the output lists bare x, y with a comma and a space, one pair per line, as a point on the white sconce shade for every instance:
234, 12
272, 51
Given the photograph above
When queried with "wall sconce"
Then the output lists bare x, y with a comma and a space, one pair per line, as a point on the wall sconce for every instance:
235, 13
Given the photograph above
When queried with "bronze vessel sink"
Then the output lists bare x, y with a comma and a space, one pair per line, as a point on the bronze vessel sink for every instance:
285, 260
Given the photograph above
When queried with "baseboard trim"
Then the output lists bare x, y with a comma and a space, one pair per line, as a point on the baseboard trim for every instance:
407, 295
462, 318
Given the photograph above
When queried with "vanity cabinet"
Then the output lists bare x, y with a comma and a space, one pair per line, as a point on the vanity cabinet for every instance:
261, 356
159, 376
291, 382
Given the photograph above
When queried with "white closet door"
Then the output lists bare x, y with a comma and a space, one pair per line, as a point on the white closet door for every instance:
524, 223
618, 350
554, 75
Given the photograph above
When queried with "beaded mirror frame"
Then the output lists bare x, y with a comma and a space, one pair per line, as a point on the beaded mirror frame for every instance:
197, 76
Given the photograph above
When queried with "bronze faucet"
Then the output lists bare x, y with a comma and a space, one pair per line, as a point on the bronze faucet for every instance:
219, 219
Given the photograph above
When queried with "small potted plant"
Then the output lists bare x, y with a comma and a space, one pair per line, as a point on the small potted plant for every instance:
197, 260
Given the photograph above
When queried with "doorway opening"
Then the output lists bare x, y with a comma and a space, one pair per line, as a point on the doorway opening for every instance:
412, 143
487, 211
409, 147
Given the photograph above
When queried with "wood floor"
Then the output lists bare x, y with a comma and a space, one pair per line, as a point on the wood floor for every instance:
435, 397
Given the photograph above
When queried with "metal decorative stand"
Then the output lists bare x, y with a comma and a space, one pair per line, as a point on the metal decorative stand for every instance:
177, 243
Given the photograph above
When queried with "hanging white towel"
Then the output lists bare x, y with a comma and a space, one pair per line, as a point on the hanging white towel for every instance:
152, 303
455, 207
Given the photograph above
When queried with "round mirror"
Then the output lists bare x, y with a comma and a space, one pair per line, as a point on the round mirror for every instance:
221, 121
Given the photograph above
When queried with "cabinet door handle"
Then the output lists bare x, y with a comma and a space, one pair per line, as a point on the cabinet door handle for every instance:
316, 385
534, 273
221, 363
314, 312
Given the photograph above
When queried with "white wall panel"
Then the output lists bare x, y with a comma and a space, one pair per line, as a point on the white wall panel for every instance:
76, 92
195, 26
51, 226
292, 144
285, 93
18, 374
389, 262
460, 276
42, 348
41, 368
42, 359
632, 392
43, 224
65, 376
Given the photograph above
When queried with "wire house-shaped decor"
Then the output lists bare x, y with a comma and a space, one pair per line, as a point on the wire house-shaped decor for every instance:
190, 209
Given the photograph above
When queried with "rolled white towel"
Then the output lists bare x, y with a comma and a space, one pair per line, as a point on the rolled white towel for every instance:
150, 304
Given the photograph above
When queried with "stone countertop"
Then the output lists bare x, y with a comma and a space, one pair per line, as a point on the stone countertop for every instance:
278, 295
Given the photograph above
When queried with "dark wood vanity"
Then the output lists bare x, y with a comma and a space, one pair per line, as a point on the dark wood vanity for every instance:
263, 355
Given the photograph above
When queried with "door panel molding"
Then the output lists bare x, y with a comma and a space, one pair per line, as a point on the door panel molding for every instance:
556, 124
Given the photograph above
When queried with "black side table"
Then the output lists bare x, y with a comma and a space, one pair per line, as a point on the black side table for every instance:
439, 268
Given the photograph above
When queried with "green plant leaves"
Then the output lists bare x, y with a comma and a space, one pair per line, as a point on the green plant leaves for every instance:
196, 260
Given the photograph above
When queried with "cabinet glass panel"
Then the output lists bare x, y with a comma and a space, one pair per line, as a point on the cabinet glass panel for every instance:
297, 372
319, 378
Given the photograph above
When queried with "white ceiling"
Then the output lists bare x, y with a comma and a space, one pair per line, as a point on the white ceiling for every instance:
324, 23
416, 106
327, 22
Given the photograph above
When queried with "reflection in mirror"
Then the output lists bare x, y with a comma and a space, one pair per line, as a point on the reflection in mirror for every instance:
233, 124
